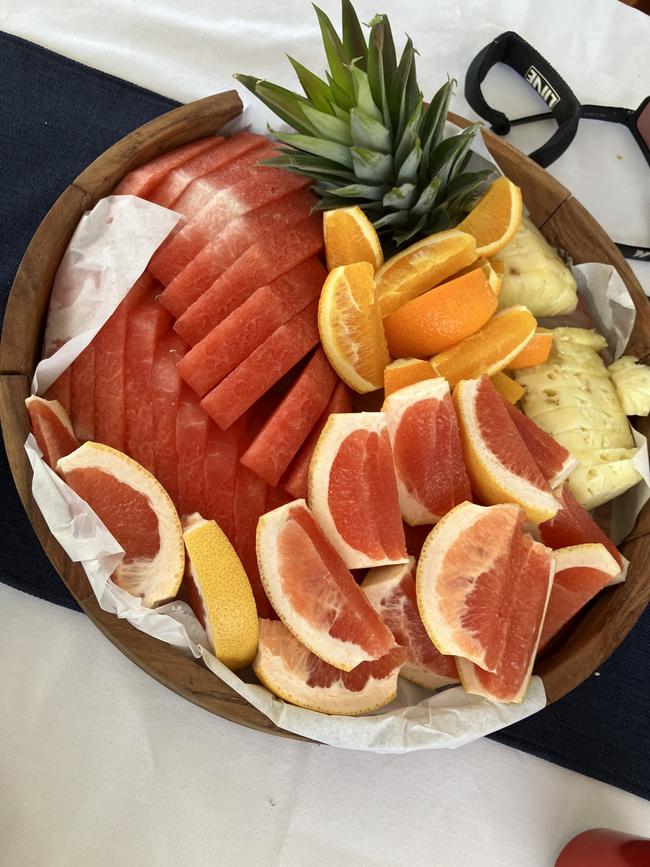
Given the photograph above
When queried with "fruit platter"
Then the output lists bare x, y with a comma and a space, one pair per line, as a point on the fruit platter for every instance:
354, 414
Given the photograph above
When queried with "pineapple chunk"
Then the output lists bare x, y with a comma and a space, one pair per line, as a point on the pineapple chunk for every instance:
604, 456
567, 418
574, 356
584, 439
582, 336
534, 275
632, 383
537, 401
593, 486
553, 376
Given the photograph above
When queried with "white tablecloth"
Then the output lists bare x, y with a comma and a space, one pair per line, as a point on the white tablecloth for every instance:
99, 764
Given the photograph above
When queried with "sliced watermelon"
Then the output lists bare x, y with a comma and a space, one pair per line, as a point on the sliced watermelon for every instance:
82, 394
61, 390
278, 442
555, 462
146, 324
296, 484
141, 181
191, 445
52, 429
267, 221
248, 326
261, 264
166, 393
220, 470
263, 368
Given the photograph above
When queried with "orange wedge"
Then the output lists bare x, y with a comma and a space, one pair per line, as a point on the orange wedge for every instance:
422, 266
493, 274
495, 219
536, 351
351, 331
441, 317
350, 237
489, 350
406, 371
507, 387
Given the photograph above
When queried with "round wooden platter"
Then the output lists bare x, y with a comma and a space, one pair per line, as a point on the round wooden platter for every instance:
566, 224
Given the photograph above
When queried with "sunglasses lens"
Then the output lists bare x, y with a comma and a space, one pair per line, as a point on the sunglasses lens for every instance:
643, 125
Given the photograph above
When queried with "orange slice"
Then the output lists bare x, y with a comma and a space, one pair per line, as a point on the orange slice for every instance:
52, 428
422, 266
350, 237
494, 221
441, 317
137, 511
500, 467
488, 350
493, 274
351, 331
507, 387
536, 351
293, 673
220, 593
406, 371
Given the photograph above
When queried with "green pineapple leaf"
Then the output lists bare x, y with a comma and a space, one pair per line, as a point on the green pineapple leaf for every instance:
337, 57
371, 166
317, 146
316, 90
353, 38
327, 126
285, 103
369, 133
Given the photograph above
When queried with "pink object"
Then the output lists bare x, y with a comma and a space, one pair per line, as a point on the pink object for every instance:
82, 394
166, 387
248, 326
220, 470
278, 442
191, 445
61, 390
263, 368
141, 181
260, 264
602, 847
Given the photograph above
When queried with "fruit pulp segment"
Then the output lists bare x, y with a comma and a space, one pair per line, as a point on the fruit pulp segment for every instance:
249, 325
552, 459
220, 470
82, 394
263, 368
166, 393
260, 264
191, 444
61, 390
572, 589
141, 181
269, 220
278, 442
54, 438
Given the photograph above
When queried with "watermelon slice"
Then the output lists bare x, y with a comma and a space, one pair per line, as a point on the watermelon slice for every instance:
166, 387
52, 429
219, 154
61, 390
263, 368
278, 442
268, 221
191, 445
82, 394
296, 484
141, 181
146, 323
555, 462
220, 470
261, 264
248, 326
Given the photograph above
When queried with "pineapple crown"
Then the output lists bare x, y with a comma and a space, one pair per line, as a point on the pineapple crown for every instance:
366, 137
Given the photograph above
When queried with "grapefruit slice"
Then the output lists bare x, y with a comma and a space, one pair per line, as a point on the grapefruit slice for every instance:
219, 593
391, 591
82, 394
141, 181
314, 593
52, 429
293, 673
500, 467
554, 461
353, 490
581, 571
137, 511
429, 464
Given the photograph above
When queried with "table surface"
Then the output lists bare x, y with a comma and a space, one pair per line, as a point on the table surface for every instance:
101, 763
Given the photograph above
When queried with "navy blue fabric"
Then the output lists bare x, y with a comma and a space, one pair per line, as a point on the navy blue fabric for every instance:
55, 117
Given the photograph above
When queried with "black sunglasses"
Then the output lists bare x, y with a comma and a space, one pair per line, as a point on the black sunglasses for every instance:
564, 107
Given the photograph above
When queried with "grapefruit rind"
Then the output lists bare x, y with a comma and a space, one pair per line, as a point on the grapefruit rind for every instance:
337, 700
160, 578
336, 429
491, 479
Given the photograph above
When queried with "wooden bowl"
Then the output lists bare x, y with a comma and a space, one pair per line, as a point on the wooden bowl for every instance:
565, 223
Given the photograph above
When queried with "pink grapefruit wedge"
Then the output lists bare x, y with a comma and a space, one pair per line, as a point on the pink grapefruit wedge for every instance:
554, 461
314, 593
52, 429
353, 490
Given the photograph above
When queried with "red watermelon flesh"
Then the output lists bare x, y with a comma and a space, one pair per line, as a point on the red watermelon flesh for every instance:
175, 181
263, 368
82, 393
248, 326
52, 429
276, 497
554, 461
220, 470
110, 343
296, 484
141, 181
166, 393
573, 525
61, 390
191, 445
261, 264
146, 323
278, 442
241, 233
